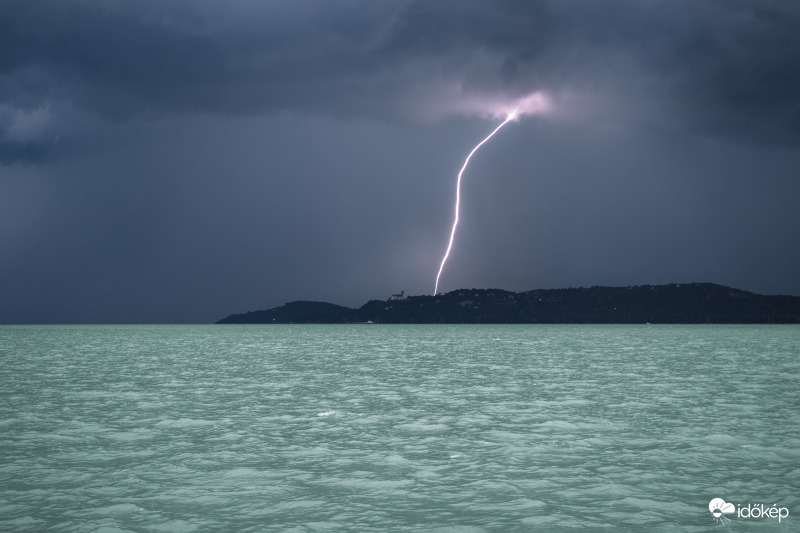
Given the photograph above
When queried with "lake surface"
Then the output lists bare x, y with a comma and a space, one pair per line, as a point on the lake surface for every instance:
397, 428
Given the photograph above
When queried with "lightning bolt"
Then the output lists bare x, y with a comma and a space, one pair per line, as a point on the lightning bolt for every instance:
511, 116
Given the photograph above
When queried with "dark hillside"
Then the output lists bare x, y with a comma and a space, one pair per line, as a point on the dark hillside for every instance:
294, 312
691, 303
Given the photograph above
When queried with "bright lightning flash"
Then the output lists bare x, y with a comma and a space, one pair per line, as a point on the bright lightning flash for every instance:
511, 116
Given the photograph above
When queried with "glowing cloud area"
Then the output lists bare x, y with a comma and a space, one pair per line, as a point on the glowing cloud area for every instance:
533, 104
494, 107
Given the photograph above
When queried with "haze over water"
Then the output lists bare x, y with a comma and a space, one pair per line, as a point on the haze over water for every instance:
396, 428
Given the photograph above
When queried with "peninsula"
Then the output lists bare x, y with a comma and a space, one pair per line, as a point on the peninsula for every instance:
685, 303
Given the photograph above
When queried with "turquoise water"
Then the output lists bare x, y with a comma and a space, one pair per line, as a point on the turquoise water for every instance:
397, 428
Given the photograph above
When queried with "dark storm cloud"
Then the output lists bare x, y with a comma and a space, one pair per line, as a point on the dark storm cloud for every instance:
713, 68
726, 68
152, 57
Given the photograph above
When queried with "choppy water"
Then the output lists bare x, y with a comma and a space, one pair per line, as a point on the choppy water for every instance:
396, 428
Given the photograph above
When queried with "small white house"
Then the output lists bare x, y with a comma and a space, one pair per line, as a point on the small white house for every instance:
401, 296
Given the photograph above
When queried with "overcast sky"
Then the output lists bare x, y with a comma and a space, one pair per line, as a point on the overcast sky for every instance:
181, 160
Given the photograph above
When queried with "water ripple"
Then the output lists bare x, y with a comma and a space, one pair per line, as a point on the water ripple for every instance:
401, 428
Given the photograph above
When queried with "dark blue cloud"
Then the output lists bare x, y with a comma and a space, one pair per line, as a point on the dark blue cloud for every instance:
714, 68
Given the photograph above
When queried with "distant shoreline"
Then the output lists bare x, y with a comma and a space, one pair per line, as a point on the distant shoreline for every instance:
684, 303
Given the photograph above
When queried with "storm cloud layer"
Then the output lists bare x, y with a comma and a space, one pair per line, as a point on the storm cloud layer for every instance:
180, 161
